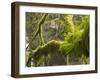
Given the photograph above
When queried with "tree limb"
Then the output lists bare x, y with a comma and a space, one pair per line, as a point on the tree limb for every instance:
39, 30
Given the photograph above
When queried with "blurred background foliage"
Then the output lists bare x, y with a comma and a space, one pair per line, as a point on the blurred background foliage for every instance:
57, 39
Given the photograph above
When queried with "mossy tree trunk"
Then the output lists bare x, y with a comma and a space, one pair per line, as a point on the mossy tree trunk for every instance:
39, 32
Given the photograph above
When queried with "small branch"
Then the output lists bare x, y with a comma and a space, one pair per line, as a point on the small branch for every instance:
38, 30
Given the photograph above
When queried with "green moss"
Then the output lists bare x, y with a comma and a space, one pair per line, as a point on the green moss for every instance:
76, 41
45, 50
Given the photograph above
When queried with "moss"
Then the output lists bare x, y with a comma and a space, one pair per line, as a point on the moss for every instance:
45, 50
75, 41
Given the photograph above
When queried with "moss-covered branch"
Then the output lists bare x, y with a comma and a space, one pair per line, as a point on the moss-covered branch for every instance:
39, 30
76, 41
41, 51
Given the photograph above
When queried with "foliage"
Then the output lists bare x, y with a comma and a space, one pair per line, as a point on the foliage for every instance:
64, 34
77, 41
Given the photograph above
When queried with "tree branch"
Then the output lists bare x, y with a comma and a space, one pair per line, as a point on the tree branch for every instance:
39, 30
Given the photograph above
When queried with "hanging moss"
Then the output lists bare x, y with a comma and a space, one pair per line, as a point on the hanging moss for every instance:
76, 41
41, 51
